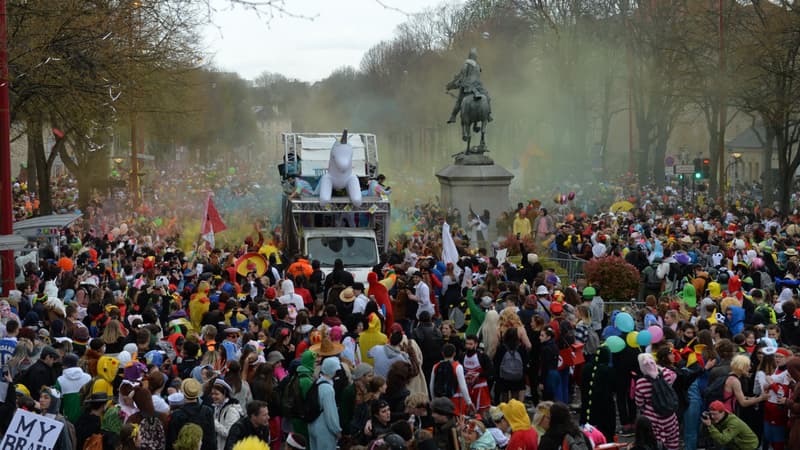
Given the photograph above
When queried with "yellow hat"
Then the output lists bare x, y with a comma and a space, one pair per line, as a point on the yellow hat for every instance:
22, 389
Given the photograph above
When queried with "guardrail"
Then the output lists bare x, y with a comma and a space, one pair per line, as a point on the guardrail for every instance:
571, 264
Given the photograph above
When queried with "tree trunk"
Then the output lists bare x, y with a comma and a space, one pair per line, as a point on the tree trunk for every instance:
659, 155
84, 189
36, 145
714, 189
32, 182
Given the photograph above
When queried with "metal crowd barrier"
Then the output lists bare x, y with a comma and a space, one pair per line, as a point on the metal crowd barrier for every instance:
571, 264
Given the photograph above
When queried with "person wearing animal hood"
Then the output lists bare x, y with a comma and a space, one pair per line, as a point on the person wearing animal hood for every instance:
596, 399
371, 337
793, 404
305, 372
107, 369
50, 405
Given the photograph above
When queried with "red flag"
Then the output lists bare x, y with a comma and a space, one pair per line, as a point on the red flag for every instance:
212, 221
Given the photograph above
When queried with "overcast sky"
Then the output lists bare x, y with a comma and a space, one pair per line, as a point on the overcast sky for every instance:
338, 35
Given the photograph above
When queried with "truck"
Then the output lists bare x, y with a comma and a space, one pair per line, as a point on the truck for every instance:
339, 230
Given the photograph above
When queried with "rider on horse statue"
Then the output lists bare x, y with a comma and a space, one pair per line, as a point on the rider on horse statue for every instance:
468, 81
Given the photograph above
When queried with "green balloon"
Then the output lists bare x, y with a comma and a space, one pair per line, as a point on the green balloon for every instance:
615, 344
231, 170
158, 222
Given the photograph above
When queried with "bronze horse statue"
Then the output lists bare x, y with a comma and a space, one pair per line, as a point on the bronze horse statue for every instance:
474, 118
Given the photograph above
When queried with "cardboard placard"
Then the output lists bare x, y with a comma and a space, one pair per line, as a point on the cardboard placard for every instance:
31, 431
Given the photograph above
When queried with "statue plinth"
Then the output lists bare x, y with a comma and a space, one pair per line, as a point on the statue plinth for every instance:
476, 156
469, 182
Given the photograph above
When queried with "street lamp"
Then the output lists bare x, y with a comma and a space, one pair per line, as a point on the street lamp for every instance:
737, 157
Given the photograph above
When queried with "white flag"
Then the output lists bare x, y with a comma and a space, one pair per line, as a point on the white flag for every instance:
449, 251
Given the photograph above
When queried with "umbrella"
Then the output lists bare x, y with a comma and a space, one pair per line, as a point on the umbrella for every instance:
623, 206
250, 262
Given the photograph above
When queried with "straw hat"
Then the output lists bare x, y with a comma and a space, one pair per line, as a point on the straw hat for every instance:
327, 347
347, 295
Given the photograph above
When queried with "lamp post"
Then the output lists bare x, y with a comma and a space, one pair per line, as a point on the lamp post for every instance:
737, 157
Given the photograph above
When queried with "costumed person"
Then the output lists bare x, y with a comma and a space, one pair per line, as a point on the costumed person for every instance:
665, 427
381, 295
371, 337
375, 187
478, 370
325, 431
199, 304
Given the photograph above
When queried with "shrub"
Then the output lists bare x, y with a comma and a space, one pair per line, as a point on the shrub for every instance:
512, 244
613, 278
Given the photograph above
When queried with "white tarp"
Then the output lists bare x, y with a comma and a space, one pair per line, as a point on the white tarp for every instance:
31, 431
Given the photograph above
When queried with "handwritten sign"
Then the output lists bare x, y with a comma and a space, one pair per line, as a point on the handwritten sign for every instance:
30, 431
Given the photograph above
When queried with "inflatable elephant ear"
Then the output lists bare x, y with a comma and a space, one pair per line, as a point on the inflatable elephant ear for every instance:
344, 137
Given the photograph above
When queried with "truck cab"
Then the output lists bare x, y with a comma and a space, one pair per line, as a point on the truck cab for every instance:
357, 248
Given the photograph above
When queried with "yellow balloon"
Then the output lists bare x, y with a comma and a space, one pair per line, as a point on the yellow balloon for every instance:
631, 339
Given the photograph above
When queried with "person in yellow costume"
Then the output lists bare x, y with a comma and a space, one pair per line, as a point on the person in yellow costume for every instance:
371, 337
198, 304
107, 368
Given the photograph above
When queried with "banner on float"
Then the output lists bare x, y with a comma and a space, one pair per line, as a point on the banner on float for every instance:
30, 431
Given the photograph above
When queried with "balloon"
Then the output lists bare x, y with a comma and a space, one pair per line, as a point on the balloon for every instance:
563, 199
624, 322
656, 332
231, 170
571, 196
632, 338
557, 199
644, 338
615, 344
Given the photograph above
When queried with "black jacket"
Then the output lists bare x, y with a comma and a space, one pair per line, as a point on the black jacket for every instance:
244, 428
202, 415
38, 375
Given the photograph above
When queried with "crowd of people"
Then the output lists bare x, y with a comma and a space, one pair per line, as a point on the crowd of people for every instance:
130, 342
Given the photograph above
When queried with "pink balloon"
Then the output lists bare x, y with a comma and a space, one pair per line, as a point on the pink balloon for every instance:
563, 199
656, 332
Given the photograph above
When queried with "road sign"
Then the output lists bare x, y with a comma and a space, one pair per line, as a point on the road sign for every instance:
669, 171
684, 168
669, 161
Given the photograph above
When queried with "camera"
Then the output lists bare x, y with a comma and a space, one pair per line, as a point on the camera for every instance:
706, 415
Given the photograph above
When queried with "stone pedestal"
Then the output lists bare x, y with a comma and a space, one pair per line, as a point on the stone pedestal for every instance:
484, 186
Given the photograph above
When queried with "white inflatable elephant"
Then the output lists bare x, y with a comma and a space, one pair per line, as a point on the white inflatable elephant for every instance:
340, 174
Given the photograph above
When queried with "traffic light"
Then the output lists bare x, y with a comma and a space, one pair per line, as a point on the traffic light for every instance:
698, 168
706, 168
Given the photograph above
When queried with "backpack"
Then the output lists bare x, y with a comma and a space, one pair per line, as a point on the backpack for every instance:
311, 405
767, 313
511, 366
592, 343
152, 434
571, 442
86, 390
290, 398
445, 382
766, 281
651, 280
715, 390
95, 442
665, 400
